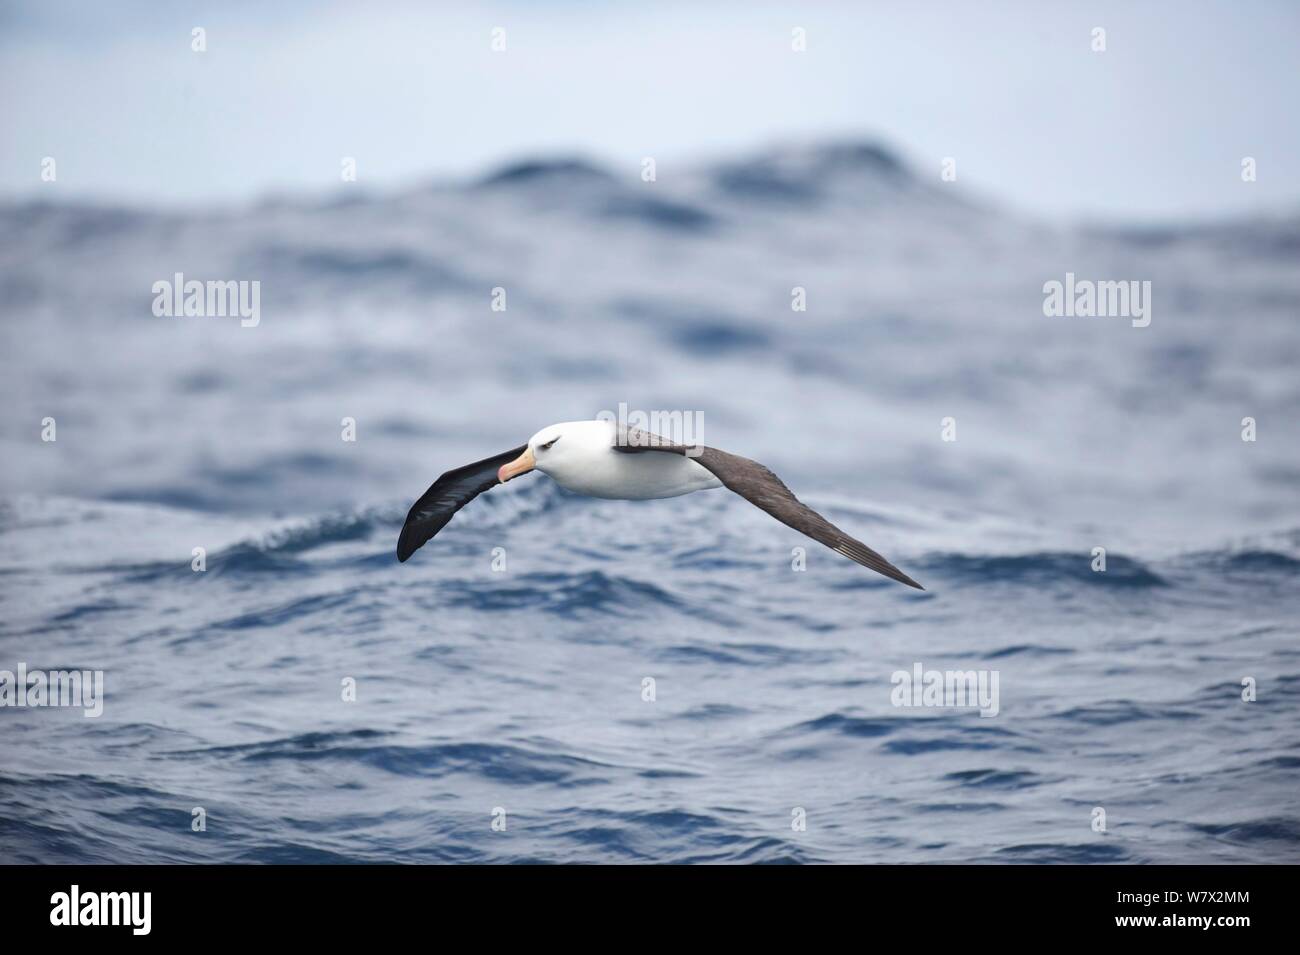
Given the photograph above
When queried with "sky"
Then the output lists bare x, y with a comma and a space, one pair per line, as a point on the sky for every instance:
1155, 127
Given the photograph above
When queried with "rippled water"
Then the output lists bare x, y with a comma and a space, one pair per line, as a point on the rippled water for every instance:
522, 688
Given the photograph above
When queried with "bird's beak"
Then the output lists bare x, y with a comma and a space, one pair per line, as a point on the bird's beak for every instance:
520, 465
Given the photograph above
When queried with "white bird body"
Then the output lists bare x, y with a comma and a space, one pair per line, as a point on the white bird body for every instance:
585, 461
592, 458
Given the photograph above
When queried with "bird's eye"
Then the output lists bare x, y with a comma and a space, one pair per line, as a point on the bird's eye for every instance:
548, 444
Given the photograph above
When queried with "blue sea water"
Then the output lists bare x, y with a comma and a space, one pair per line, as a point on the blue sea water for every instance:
500, 673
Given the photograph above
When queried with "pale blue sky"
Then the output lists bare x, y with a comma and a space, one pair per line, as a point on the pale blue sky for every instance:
1155, 127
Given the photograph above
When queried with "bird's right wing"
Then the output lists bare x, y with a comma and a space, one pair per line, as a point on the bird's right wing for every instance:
446, 496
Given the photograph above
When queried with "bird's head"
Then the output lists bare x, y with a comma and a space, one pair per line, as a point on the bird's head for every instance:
561, 448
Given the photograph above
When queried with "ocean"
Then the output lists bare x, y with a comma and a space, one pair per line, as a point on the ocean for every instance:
204, 510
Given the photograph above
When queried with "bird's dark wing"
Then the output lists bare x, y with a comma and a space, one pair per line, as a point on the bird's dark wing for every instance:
446, 496
764, 489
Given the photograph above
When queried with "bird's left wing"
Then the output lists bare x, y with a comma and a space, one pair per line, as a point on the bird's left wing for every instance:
765, 490
446, 496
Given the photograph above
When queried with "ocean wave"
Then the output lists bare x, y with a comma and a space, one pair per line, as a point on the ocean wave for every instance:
1125, 712
502, 762
548, 173
1281, 829
1041, 568
302, 266
1063, 853
1012, 780
577, 594
524, 688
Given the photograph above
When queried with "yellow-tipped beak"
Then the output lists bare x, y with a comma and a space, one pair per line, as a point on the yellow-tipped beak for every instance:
520, 465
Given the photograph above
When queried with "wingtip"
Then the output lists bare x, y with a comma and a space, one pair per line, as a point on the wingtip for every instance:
902, 578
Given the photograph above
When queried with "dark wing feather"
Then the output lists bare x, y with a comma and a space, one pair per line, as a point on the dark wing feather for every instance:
764, 489
446, 496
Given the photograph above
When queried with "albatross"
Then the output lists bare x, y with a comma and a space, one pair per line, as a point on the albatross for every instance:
600, 459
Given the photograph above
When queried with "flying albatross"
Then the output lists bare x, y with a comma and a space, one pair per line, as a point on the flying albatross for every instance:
599, 459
